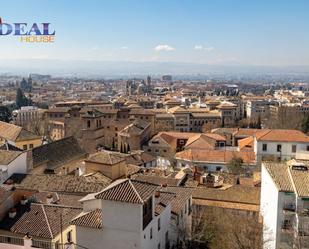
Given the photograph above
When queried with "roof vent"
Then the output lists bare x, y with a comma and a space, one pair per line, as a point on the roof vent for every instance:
299, 166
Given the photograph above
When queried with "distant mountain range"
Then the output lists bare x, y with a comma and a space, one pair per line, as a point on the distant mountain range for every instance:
108, 68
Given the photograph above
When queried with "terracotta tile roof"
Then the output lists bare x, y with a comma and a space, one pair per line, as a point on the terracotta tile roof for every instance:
289, 178
163, 201
106, 157
58, 110
4, 194
15, 133
9, 131
158, 180
26, 135
204, 141
214, 114
235, 193
92, 219
223, 156
126, 190
282, 136
300, 180
57, 153
245, 132
7, 156
224, 130
169, 138
182, 195
140, 158
133, 169
58, 199
59, 183
135, 128
215, 136
226, 105
280, 175
227, 205
246, 143
44, 220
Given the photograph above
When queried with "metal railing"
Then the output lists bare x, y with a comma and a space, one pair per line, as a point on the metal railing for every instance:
11, 240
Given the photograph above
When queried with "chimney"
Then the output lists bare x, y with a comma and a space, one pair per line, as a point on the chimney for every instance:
49, 199
27, 242
77, 172
65, 170
157, 197
12, 213
23, 200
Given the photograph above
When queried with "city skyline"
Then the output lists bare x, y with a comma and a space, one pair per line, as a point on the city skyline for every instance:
266, 33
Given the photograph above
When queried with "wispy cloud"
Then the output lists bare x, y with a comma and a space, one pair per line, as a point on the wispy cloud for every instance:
164, 47
124, 48
95, 48
198, 47
205, 48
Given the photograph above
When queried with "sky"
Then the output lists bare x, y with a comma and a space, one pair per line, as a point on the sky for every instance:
216, 32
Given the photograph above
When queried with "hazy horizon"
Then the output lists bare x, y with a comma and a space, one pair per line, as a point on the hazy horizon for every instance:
265, 33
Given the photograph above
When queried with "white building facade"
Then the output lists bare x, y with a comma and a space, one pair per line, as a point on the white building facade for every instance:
285, 205
131, 217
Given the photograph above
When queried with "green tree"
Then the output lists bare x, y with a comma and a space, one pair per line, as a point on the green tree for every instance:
21, 99
121, 148
259, 123
305, 124
235, 165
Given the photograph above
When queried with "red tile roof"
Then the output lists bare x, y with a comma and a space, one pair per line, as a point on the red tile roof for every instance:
92, 219
223, 156
282, 136
126, 190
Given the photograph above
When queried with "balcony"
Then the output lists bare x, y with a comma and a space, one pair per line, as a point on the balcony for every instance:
287, 226
289, 207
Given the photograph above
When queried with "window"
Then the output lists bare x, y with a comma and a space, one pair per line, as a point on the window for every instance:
189, 205
294, 148
307, 147
57, 244
278, 147
159, 224
69, 236
31, 146
25, 146
218, 168
166, 237
264, 147
88, 123
159, 246
151, 233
